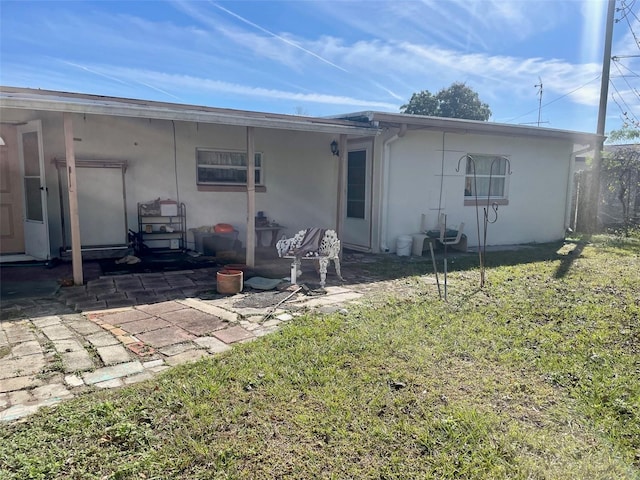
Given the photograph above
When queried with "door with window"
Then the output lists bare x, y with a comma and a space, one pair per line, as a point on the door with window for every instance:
357, 221
30, 154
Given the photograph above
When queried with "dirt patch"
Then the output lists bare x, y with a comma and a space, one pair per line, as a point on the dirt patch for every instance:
261, 299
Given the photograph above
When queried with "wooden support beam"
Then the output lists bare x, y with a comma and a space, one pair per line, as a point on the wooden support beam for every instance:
251, 199
74, 217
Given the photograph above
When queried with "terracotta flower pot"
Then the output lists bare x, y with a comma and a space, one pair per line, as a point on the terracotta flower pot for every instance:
229, 281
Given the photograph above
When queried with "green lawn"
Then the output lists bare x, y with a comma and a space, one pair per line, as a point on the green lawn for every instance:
536, 376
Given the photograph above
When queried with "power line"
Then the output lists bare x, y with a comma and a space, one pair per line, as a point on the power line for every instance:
626, 18
630, 18
625, 9
556, 99
624, 78
625, 113
619, 64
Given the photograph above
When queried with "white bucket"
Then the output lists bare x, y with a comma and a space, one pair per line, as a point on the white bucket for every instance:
403, 245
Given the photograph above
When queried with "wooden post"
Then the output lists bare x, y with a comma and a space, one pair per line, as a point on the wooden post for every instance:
251, 199
74, 218
342, 189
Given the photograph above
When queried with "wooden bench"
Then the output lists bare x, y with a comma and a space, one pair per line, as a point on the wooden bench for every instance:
328, 248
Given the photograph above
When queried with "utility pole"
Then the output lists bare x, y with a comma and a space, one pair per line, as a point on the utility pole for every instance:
602, 113
540, 99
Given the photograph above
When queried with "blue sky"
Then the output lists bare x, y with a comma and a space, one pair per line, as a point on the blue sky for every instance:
330, 57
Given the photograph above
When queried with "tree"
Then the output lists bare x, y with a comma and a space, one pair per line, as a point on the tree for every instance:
621, 174
624, 135
457, 101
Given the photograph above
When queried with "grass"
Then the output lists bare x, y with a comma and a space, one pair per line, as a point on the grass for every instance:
533, 377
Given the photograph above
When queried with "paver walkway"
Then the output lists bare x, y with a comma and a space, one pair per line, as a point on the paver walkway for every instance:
119, 330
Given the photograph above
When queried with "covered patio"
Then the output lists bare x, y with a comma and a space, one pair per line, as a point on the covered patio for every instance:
77, 130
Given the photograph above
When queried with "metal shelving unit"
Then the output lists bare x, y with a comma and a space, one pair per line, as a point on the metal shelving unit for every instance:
163, 233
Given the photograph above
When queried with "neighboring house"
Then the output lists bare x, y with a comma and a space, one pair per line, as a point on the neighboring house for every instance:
389, 170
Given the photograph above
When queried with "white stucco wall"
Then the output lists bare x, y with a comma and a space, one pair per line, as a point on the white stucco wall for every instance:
300, 176
299, 170
537, 188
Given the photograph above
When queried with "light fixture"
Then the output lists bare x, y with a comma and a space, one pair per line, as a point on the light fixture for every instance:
334, 148
2, 141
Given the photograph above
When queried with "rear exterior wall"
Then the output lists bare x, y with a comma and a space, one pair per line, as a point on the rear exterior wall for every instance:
423, 178
299, 171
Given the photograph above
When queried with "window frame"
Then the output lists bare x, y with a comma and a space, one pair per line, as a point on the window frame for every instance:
229, 186
502, 199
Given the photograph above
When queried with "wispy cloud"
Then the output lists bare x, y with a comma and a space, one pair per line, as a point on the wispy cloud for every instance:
425, 66
93, 72
258, 41
315, 52
99, 73
279, 37
164, 92
461, 24
187, 83
395, 68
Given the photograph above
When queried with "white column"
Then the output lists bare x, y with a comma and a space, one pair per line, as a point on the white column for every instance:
251, 199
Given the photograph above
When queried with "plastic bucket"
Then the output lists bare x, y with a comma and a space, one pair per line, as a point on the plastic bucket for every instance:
229, 281
403, 245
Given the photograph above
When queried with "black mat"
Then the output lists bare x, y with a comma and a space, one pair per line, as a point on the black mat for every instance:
28, 289
157, 263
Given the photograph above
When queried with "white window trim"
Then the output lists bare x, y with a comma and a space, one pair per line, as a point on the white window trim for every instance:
235, 167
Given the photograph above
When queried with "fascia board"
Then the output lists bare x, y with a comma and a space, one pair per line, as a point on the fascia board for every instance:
462, 126
138, 111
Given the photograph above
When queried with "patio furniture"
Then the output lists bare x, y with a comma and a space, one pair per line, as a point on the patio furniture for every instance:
445, 236
311, 244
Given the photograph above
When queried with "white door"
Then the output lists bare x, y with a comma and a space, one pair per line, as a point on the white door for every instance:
357, 221
11, 198
36, 228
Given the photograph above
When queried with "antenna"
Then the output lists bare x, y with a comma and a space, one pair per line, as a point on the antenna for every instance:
539, 85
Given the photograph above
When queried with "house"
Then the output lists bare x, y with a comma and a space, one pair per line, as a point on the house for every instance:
75, 168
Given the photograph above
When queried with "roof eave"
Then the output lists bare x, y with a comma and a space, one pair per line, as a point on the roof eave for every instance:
185, 113
463, 126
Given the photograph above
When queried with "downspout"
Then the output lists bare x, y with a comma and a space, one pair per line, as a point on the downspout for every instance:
384, 213
569, 197
342, 174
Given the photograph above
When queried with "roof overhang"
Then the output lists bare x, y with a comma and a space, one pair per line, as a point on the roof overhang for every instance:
405, 122
53, 101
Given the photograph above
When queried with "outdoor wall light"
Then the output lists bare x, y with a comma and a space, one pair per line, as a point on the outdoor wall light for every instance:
334, 148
